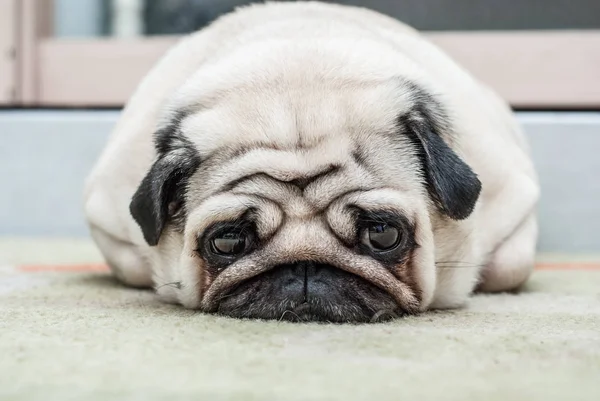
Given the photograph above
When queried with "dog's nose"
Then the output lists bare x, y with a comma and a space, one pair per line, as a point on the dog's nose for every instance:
305, 269
303, 279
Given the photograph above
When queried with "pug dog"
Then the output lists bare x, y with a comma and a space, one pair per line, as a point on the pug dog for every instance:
314, 162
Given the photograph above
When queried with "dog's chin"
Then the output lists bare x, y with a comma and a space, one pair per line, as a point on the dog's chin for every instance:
306, 291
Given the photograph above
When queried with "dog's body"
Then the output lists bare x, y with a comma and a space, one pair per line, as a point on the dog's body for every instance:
299, 115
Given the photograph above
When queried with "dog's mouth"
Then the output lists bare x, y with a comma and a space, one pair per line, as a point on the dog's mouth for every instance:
308, 291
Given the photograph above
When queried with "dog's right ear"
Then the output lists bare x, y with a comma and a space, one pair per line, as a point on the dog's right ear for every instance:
150, 204
162, 192
452, 184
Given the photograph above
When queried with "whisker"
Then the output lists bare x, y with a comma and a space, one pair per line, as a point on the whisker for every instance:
289, 311
175, 284
455, 262
458, 263
245, 204
233, 294
459, 266
383, 315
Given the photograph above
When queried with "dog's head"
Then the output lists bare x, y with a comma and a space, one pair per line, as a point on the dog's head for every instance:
302, 196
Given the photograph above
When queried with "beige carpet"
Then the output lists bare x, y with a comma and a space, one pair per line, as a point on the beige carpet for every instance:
71, 334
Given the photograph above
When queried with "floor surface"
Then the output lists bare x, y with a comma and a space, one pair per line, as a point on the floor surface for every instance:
69, 332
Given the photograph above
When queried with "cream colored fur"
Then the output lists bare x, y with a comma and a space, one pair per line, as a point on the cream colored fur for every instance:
267, 72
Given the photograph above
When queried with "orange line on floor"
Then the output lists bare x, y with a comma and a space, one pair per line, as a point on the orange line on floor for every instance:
568, 266
65, 268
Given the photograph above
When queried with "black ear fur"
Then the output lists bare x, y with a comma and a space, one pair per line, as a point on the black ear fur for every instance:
452, 184
150, 204
162, 190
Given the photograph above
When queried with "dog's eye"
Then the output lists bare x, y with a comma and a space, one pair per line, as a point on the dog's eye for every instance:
230, 243
381, 237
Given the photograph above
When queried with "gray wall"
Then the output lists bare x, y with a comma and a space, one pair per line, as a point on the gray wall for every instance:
76, 18
489, 14
45, 155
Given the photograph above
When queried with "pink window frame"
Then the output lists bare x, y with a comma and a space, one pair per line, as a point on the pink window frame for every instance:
531, 69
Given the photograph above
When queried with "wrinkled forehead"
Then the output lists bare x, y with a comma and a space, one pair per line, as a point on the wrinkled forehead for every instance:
295, 115
298, 141
322, 138
299, 181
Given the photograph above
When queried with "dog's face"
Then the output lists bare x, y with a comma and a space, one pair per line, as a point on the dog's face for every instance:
302, 199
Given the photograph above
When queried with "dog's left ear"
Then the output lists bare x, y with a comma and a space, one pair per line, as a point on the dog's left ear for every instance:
452, 184
160, 193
